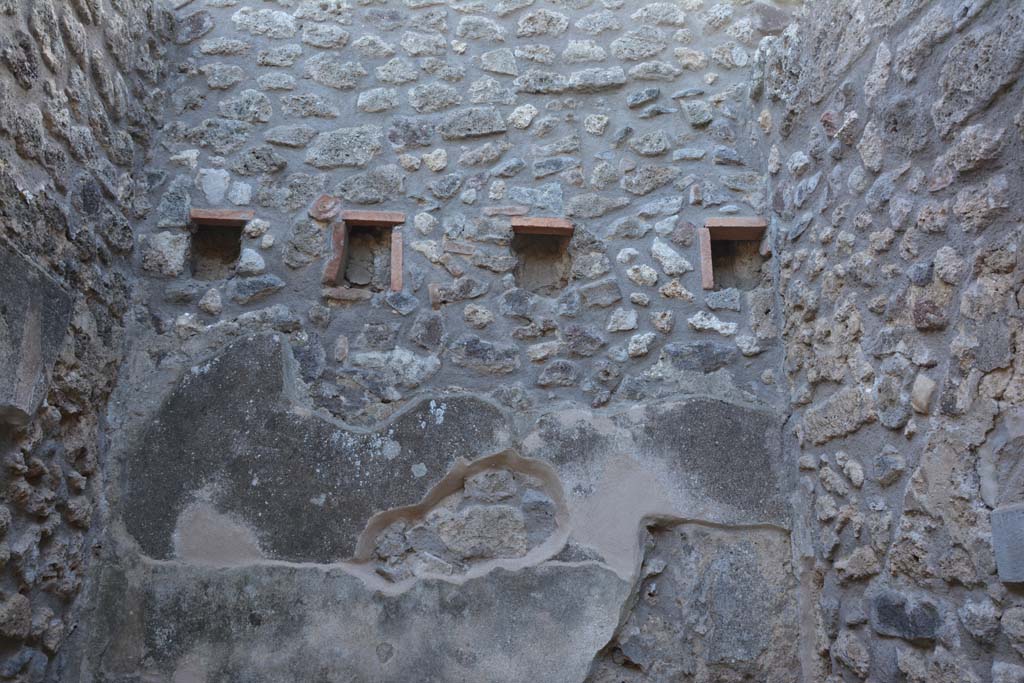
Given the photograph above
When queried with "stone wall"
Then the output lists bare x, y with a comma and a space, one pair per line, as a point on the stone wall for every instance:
470, 464
534, 458
894, 159
80, 86
627, 119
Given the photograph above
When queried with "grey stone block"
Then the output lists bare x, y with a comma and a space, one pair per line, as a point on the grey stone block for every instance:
34, 315
743, 578
901, 616
1008, 542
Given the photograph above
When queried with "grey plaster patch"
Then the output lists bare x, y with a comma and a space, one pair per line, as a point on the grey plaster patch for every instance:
230, 424
203, 535
712, 460
728, 456
244, 624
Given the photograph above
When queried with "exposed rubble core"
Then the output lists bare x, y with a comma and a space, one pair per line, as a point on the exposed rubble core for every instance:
495, 513
81, 96
388, 340
894, 151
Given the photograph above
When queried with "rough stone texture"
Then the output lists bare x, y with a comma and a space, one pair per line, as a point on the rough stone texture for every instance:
821, 442
81, 98
33, 322
893, 614
500, 513
905, 397
340, 395
701, 591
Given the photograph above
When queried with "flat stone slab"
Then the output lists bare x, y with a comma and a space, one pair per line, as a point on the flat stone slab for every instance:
717, 461
34, 315
1008, 542
229, 435
724, 608
265, 624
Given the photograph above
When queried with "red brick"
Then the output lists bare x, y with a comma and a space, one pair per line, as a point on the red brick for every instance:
396, 260
221, 218
325, 208
372, 219
542, 225
707, 273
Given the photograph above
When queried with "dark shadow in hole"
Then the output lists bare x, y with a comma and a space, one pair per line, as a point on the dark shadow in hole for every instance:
736, 263
7, 438
215, 251
544, 263
368, 258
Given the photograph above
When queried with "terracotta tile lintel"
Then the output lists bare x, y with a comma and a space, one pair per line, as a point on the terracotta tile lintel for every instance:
396, 260
333, 269
707, 273
221, 218
735, 234
542, 225
733, 228
371, 219
736, 222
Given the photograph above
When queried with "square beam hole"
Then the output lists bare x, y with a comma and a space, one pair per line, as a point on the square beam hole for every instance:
736, 263
544, 262
215, 251
368, 258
